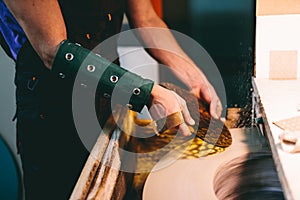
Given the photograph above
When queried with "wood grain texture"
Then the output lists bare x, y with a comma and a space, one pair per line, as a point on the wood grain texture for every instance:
212, 131
102, 169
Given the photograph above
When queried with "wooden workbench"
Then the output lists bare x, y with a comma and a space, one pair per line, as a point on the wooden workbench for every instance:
279, 100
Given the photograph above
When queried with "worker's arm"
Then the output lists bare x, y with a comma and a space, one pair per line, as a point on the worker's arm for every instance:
166, 50
43, 24
45, 29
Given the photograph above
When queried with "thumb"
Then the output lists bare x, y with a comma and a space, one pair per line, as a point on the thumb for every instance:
215, 108
185, 111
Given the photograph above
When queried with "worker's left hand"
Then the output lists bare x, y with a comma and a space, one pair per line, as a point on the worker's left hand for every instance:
206, 92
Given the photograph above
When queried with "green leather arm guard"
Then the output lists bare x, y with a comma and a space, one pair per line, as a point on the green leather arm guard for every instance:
72, 59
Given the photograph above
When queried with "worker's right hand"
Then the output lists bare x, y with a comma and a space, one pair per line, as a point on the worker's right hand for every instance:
165, 102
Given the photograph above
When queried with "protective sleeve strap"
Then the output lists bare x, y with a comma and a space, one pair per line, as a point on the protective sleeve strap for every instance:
93, 70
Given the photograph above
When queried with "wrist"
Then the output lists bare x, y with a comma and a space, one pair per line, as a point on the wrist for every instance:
154, 92
48, 54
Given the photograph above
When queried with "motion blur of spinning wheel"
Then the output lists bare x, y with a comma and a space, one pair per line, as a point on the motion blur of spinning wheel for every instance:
10, 181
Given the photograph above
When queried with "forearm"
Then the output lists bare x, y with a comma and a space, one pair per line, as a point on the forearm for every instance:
183, 67
167, 51
43, 24
162, 46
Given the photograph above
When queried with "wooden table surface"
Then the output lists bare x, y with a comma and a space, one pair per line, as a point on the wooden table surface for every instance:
280, 100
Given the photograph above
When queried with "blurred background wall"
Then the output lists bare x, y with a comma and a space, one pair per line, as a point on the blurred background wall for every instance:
226, 29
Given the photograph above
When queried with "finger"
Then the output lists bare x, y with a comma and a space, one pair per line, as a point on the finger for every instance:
210, 96
184, 130
185, 111
157, 111
216, 108
186, 115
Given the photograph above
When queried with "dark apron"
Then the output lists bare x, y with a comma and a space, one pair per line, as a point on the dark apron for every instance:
51, 151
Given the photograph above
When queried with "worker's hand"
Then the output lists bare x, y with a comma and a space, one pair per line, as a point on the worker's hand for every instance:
165, 102
205, 91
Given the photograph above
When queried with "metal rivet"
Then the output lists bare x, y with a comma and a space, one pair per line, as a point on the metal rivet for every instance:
61, 75
129, 106
106, 95
91, 68
69, 56
136, 91
83, 85
114, 79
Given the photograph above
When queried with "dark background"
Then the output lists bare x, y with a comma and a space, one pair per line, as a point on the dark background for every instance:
226, 29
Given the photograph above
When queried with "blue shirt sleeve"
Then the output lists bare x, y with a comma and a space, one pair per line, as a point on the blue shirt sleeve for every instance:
11, 31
